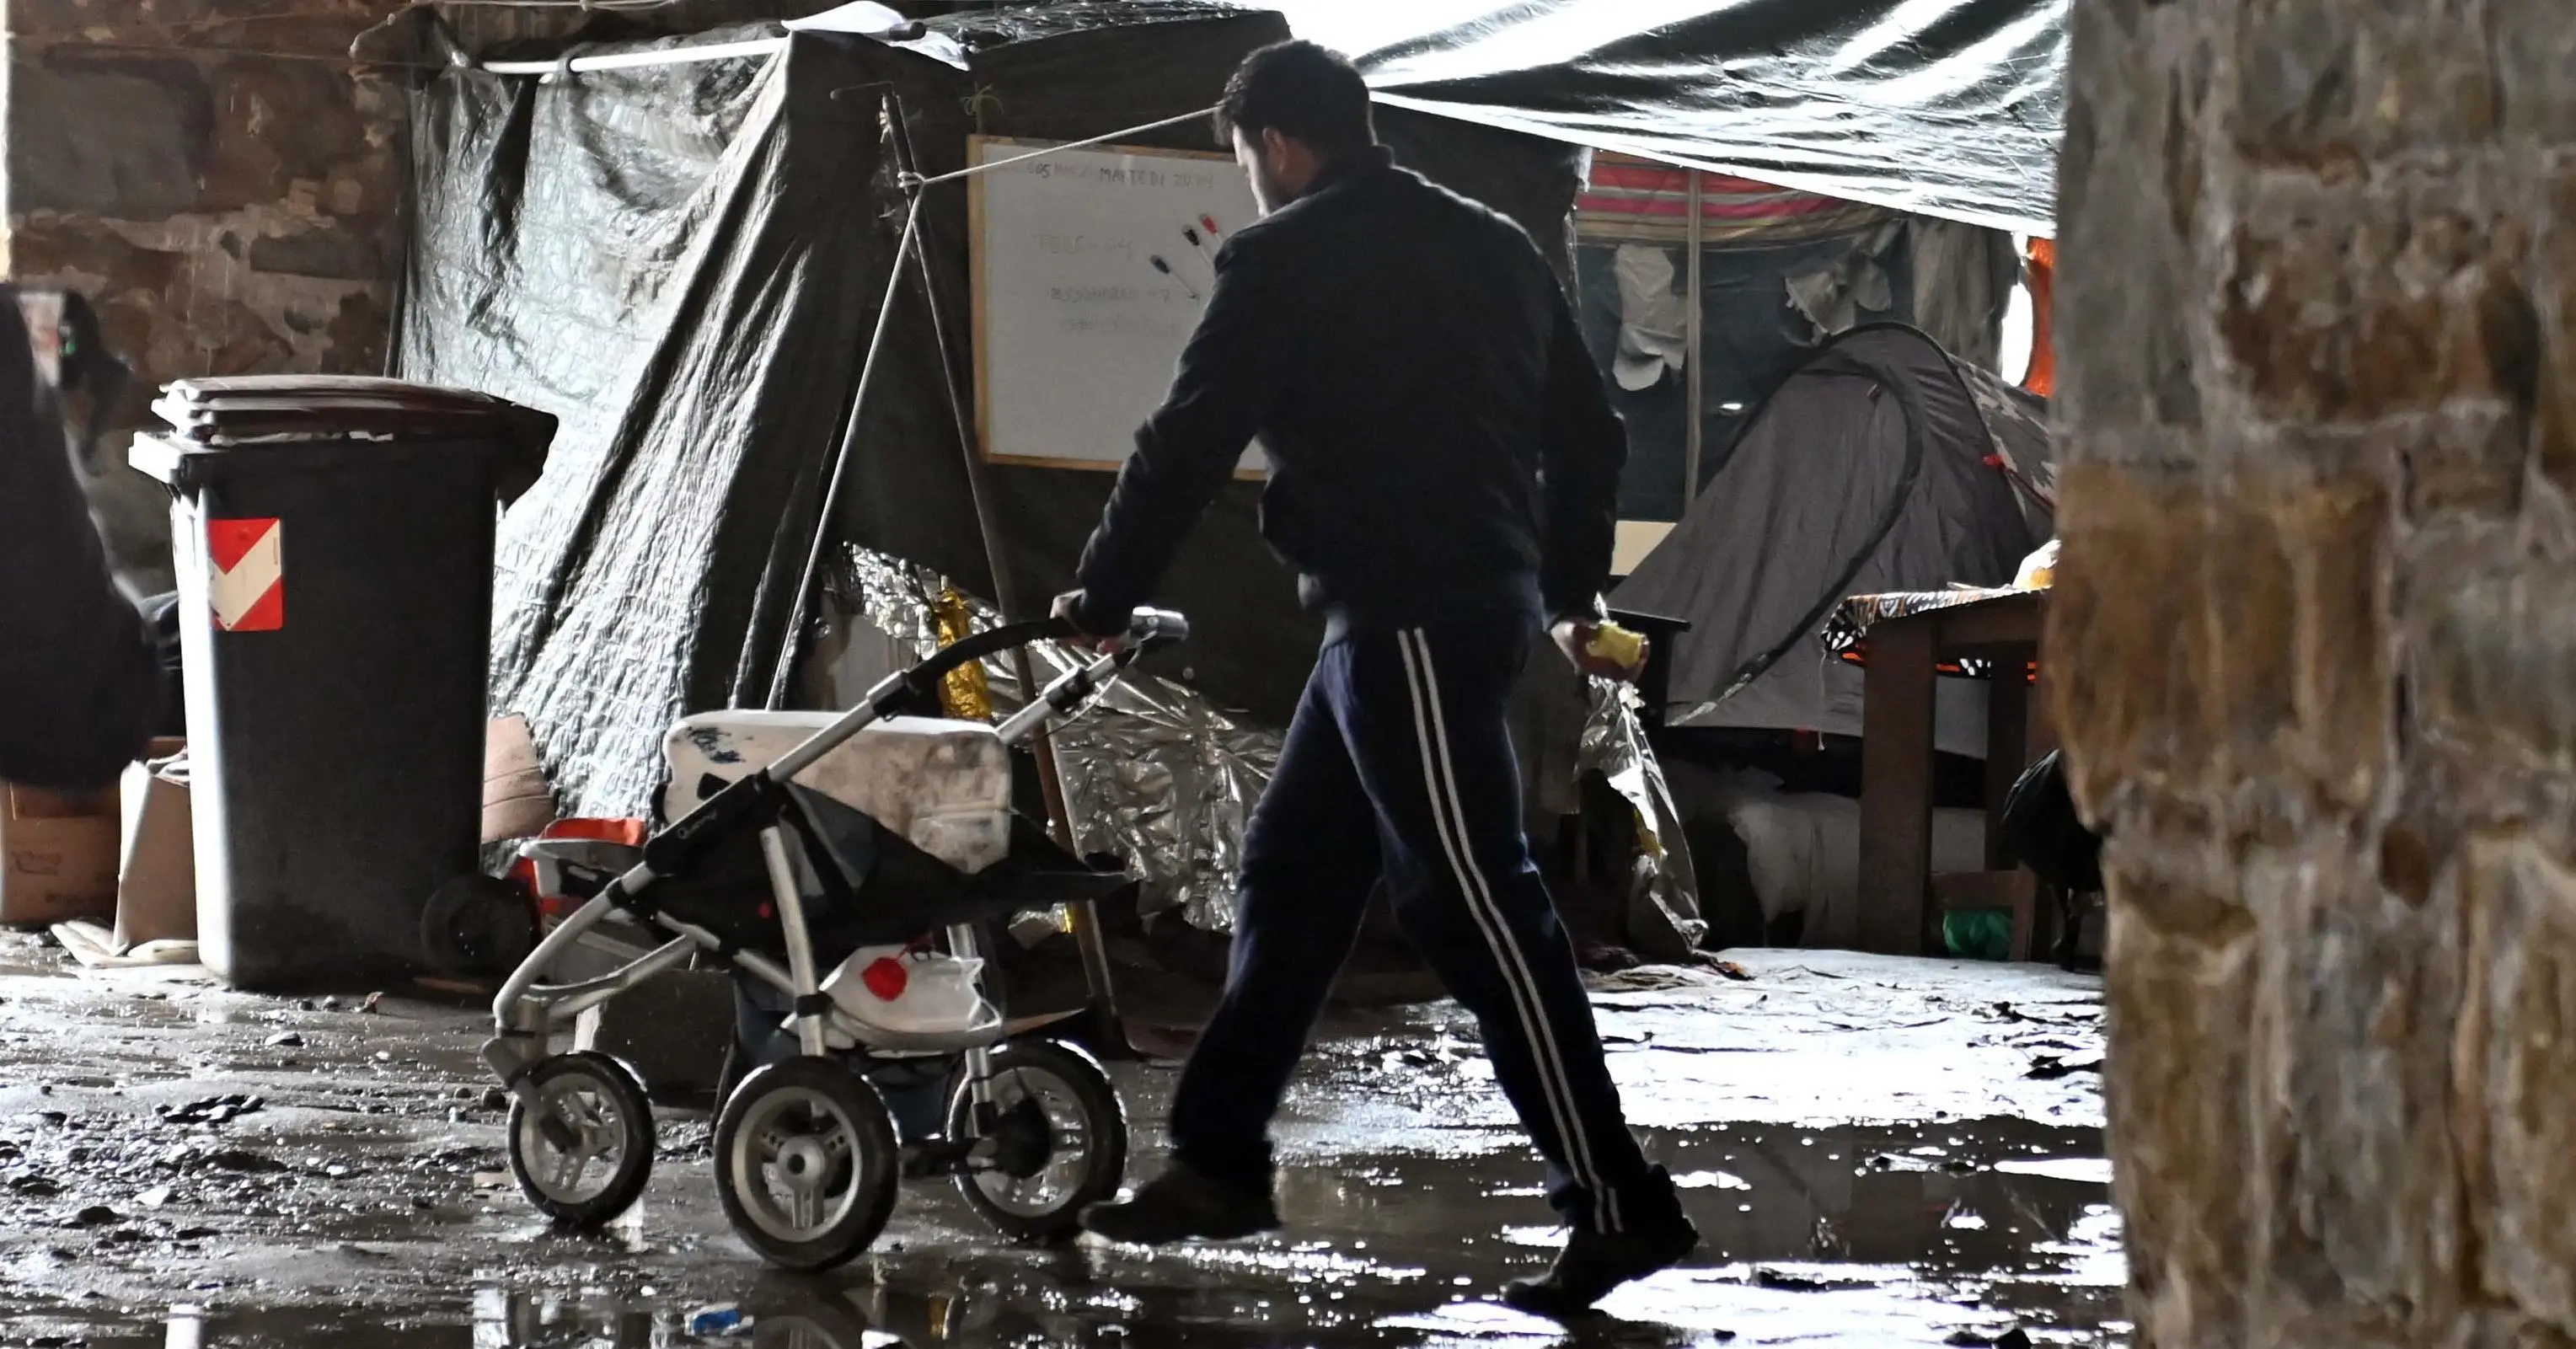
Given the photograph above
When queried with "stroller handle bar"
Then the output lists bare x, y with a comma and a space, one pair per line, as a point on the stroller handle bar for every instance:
1148, 629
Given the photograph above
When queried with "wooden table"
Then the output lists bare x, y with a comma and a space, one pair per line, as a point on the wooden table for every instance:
1901, 900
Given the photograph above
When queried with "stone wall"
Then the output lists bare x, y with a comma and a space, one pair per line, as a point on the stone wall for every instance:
229, 212
226, 185
214, 177
2317, 629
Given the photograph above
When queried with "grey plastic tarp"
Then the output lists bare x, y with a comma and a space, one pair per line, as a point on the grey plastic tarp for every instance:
1946, 108
672, 262
1865, 472
683, 261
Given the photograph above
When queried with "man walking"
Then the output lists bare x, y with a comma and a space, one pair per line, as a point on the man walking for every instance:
1443, 462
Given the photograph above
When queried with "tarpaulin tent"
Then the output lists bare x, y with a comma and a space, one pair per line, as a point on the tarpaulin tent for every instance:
1944, 108
670, 260
1879, 465
681, 261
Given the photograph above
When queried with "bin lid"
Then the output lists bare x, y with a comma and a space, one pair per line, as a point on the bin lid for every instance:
256, 409
251, 412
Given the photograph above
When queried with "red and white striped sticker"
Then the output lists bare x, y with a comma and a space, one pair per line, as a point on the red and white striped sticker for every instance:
249, 584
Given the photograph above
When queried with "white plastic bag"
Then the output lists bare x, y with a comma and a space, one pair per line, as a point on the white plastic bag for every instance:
893, 988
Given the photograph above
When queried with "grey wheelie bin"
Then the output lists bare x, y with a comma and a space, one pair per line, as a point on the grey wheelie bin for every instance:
333, 539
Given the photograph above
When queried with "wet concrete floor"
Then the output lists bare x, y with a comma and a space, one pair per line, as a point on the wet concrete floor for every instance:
1879, 1152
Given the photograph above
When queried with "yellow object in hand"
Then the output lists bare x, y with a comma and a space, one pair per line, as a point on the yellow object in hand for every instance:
1617, 645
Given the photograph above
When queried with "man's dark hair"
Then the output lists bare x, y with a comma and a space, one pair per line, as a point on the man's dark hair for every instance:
1301, 90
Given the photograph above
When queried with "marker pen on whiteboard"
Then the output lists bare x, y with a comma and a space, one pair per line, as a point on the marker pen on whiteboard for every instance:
1166, 269
1199, 244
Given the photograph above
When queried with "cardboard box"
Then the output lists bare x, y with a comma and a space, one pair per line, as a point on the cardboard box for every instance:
57, 856
156, 891
517, 800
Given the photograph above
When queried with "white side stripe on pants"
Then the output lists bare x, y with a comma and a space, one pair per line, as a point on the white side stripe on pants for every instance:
1449, 817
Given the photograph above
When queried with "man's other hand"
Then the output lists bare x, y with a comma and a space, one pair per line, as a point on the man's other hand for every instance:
1575, 637
1069, 610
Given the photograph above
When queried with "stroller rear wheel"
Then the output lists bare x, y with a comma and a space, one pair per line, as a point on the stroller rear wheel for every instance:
583, 1156
806, 1163
1056, 1142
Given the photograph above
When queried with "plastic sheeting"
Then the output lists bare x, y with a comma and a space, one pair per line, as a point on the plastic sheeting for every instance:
1663, 918
668, 261
1947, 108
681, 262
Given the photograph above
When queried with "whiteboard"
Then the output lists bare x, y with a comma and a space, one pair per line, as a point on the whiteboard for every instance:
1091, 269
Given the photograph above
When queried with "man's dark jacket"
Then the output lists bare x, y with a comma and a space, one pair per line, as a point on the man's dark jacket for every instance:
79, 681
1440, 443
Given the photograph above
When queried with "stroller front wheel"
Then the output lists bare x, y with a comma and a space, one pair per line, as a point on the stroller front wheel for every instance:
583, 1156
1054, 1144
806, 1163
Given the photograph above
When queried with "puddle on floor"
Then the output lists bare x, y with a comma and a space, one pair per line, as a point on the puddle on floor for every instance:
1862, 1235
1685, 1308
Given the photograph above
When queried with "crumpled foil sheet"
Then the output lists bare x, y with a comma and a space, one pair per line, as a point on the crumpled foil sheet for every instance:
1153, 772
1663, 890
1157, 774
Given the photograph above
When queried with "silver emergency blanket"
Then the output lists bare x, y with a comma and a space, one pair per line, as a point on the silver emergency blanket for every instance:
1152, 771
1156, 773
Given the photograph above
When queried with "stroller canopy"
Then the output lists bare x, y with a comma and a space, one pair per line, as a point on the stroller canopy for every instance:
1879, 465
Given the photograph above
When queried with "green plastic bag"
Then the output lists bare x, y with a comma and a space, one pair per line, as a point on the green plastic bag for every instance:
1978, 934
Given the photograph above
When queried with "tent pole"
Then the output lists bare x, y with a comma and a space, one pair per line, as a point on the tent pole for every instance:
1006, 590
1089, 938
781, 678
1695, 432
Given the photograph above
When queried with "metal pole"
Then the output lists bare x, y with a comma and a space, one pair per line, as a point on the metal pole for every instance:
1006, 590
1697, 430
1088, 937
781, 678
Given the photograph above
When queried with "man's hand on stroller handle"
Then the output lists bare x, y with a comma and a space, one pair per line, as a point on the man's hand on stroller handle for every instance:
1145, 627
1147, 630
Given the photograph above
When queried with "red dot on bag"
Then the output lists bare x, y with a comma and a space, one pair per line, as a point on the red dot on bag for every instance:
885, 977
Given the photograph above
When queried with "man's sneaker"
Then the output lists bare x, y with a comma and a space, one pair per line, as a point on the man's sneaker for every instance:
1593, 1263
1183, 1205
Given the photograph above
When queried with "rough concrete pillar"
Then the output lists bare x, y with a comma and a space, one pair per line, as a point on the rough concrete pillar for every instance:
2317, 629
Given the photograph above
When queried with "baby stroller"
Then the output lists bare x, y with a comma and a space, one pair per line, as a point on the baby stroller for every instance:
819, 876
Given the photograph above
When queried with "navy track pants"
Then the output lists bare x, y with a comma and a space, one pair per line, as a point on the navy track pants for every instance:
1399, 761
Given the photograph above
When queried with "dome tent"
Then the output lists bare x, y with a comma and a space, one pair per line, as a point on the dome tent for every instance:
1880, 464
